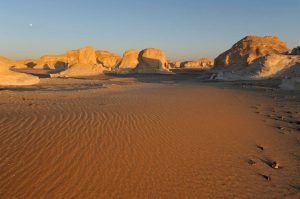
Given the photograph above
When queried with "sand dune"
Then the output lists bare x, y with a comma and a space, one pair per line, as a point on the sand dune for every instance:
143, 141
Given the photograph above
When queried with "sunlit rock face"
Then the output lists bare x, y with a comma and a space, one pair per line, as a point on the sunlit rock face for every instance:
203, 63
81, 70
152, 60
23, 64
174, 64
250, 48
273, 65
51, 62
130, 59
11, 78
107, 59
85, 55
82, 63
270, 66
291, 80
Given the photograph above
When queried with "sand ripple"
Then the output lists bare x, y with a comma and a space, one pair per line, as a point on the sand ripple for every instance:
153, 142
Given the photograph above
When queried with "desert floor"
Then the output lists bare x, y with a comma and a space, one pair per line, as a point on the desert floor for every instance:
149, 137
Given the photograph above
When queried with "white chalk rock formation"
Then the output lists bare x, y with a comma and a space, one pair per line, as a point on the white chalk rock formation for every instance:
152, 60
130, 59
11, 78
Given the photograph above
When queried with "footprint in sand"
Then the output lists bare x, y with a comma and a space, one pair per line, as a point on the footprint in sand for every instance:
260, 147
266, 177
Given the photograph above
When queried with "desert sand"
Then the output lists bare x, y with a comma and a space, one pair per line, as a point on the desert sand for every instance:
149, 137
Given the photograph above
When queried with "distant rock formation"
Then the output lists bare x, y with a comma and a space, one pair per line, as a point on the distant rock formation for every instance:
250, 48
82, 63
52, 62
295, 51
81, 70
152, 60
203, 63
11, 78
85, 55
22, 64
175, 64
130, 59
107, 59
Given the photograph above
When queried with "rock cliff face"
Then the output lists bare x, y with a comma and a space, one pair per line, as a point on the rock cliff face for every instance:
250, 48
130, 59
11, 78
152, 60
203, 63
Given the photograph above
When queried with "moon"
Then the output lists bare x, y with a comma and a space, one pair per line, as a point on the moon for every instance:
30, 25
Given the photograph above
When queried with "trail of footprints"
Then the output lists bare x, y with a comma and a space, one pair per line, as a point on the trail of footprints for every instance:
270, 163
286, 119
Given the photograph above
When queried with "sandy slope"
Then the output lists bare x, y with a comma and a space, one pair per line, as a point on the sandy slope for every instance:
144, 141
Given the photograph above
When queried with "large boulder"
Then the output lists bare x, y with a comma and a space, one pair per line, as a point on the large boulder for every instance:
250, 48
203, 63
107, 59
152, 60
11, 78
130, 59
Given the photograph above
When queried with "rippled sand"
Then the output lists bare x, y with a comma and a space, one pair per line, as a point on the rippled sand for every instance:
143, 141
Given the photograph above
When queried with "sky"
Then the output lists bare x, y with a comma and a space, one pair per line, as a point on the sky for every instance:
184, 29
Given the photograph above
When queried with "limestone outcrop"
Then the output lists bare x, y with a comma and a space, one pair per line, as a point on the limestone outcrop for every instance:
81, 70
107, 59
152, 60
11, 78
270, 66
203, 63
22, 64
129, 60
250, 48
85, 55
274, 65
175, 64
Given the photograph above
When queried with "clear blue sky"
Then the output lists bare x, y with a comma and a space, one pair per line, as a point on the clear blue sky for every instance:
184, 29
